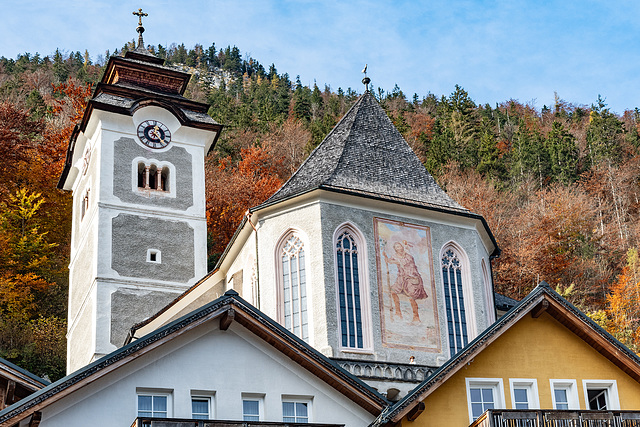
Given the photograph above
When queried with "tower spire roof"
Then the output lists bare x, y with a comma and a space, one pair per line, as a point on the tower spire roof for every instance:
365, 155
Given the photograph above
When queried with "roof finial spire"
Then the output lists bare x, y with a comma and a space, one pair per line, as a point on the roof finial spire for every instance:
366, 79
140, 28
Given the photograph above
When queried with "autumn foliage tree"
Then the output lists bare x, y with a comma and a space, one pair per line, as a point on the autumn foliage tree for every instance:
35, 223
623, 303
234, 188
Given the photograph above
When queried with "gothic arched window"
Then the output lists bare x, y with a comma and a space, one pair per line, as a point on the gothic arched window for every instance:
456, 289
352, 289
294, 286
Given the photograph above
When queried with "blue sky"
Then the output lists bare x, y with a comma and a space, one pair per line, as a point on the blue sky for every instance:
496, 50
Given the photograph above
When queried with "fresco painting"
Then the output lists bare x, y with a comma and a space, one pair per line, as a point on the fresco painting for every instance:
406, 286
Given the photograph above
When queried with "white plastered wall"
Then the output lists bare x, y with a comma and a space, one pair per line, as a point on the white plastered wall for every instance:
200, 360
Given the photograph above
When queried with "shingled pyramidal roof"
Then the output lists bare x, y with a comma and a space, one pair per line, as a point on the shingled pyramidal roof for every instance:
365, 154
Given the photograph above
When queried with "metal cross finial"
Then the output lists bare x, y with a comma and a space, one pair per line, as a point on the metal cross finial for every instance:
140, 14
140, 28
366, 79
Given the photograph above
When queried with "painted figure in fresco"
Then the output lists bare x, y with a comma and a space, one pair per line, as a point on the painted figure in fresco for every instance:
408, 283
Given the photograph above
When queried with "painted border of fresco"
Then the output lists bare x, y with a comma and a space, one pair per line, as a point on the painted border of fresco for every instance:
397, 331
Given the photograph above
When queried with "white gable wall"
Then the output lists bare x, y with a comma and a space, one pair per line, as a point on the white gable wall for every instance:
224, 363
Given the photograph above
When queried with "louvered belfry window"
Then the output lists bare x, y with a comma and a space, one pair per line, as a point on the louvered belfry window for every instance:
294, 281
454, 300
349, 291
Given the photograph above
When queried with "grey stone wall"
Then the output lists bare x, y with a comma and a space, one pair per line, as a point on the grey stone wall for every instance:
133, 235
126, 149
332, 216
130, 306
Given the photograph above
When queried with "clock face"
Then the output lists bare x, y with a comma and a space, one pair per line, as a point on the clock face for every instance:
154, 134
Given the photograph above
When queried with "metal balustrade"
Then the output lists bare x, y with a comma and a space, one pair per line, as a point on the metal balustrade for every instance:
557, 418
179, 422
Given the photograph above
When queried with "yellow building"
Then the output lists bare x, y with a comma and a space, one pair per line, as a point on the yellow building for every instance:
543, 363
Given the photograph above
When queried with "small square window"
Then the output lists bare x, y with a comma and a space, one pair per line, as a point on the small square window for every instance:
250, 410
153, 405
524, 393
200, 407
601, 395
154, 256
295, 411
483, 394
564, 394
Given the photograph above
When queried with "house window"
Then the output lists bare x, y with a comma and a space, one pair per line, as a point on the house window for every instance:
601, 395
564, 394
152, 177
483, 394
455, 279
294, 286
153, 405
349, 291
352, 289
154, 256
251, 409
200, 407
295, 411
524, 393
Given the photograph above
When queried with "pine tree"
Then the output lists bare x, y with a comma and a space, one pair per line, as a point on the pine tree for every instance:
563, 154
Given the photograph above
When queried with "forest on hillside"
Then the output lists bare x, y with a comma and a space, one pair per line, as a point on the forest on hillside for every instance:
559, 186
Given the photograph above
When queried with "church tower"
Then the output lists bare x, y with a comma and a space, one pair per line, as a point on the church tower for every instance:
135, 165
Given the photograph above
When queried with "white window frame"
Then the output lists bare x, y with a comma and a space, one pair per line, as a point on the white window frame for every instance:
158, 164
156, 392
572, 392
498, 392
155, 252
298, 399
204, 395
467, 289
279, 279
254, 397
613, 400
365, 289
531, 385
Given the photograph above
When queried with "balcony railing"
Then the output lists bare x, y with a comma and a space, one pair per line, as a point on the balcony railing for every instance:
557, 418
178, 422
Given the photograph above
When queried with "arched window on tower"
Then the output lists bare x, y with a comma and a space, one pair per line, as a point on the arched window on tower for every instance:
294, 286
455, 279
352, 289
152, 177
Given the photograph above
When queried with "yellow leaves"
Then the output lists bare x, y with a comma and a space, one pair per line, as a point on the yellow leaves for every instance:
18, 294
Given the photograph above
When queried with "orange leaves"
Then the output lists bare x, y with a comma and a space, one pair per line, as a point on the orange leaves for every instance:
549, 235
68, 109
232, 189
623, 303
74, 100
